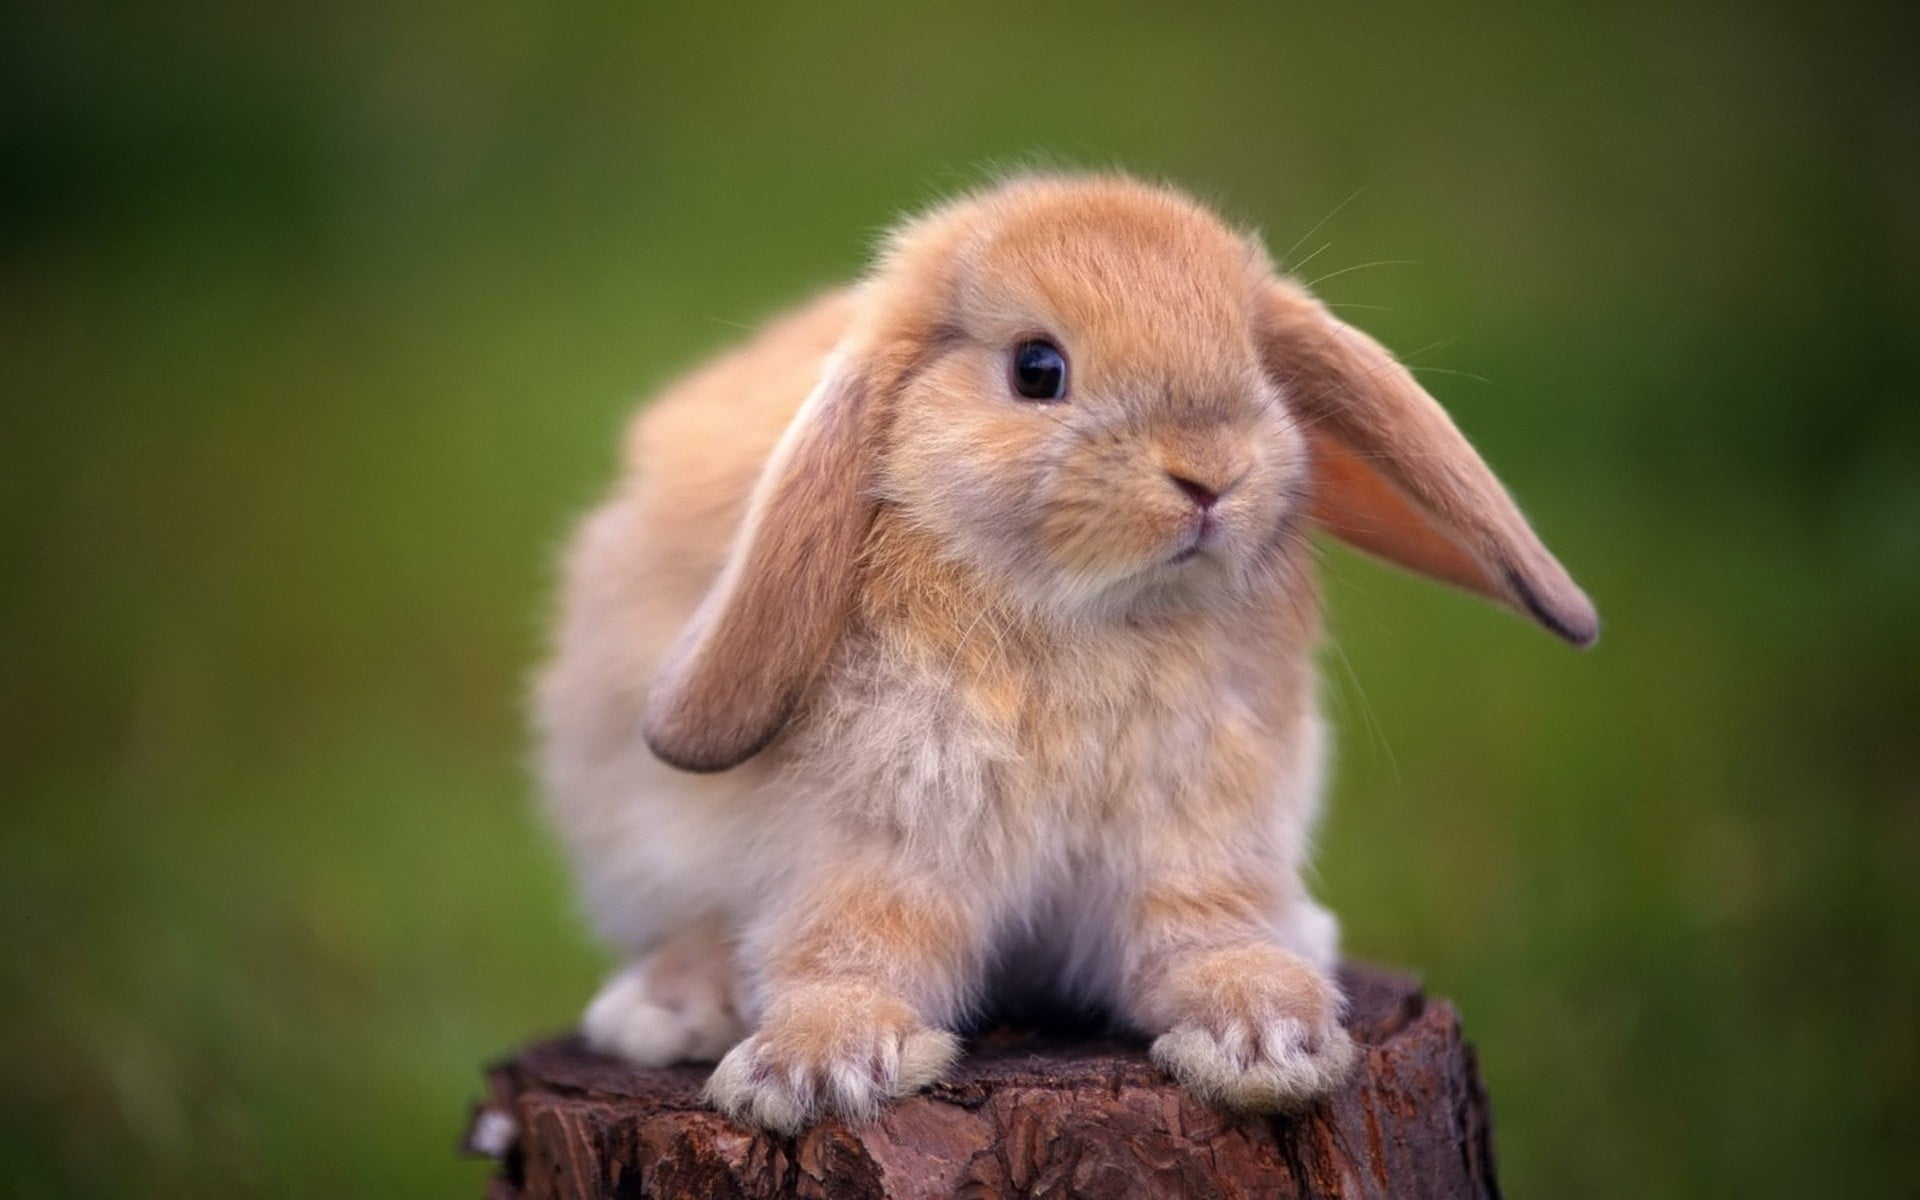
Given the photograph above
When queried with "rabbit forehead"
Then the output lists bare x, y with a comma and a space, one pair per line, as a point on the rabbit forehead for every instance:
1135, 275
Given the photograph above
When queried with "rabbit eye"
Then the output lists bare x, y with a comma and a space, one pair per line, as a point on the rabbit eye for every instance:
1039, 370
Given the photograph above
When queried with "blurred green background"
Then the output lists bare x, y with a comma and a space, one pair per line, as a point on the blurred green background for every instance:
318, 326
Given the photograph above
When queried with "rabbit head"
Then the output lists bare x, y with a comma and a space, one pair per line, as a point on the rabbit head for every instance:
1098, 395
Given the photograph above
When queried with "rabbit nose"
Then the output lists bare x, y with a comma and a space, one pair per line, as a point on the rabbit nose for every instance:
1202, 494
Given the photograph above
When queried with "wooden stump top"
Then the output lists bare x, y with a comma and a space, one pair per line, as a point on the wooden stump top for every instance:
1020, 1115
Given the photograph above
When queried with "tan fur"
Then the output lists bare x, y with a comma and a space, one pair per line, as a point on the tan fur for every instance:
1394, 455
971, 695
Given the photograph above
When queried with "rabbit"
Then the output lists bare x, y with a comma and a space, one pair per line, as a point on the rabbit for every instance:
955, 636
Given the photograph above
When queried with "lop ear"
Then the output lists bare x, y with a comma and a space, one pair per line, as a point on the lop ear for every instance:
1395, 478
765, 629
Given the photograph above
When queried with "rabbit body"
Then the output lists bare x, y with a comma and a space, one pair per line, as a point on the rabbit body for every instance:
980, 693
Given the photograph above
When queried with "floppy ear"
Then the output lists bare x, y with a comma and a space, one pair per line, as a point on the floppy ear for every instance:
1394, 478
763, 632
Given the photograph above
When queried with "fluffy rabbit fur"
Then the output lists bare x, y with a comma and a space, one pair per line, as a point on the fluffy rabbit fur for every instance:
880, 689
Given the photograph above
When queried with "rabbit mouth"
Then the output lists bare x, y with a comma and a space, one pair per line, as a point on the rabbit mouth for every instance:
1205, 533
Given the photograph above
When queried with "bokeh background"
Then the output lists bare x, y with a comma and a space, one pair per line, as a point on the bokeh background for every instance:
318, 323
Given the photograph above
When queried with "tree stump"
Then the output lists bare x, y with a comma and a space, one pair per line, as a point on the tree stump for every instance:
1021, 1115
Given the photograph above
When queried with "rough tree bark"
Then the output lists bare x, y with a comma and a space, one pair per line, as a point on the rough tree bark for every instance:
1022, 1115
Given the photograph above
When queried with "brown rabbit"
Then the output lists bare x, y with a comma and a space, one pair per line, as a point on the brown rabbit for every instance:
959, 629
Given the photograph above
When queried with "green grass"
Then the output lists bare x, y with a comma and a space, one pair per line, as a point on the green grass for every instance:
318, 329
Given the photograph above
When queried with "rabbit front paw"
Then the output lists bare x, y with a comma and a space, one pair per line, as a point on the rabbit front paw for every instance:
634, 1019
830, 1048
1260, 1032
